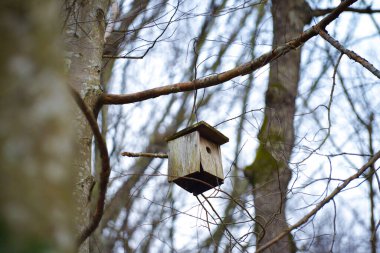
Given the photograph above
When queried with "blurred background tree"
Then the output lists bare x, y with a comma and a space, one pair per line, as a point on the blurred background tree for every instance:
36, 126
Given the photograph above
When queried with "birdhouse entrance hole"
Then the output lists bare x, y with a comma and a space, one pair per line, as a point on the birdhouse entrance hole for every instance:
195, 162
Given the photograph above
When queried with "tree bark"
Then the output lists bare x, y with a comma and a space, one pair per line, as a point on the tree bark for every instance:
84, 30
269, 173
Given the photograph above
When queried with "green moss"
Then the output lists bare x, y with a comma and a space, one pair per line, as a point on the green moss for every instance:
262, 167
265, 164
269, 133
275, 94
277, 86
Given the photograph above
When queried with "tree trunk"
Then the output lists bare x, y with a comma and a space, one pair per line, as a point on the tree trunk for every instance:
36, 182
269, 173
84, 41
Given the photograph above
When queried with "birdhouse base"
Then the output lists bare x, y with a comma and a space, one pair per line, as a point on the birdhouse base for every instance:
198, 182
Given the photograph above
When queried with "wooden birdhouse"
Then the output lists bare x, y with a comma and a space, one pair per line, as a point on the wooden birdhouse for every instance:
195, 162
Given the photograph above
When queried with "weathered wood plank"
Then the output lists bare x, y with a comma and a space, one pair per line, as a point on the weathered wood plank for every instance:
184, 156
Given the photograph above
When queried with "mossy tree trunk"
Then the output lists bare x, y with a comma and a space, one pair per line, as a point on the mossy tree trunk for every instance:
269, 173
84, 30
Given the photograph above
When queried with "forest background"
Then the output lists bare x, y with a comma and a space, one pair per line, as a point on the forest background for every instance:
293, 84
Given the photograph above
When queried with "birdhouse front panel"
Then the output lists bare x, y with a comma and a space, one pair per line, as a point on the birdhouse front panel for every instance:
184, 156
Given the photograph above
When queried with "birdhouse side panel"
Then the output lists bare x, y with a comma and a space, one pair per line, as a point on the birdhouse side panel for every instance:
184, 156
211, 158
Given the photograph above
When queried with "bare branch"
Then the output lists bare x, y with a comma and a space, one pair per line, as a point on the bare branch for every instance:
104, 174
322, 12
351, 54
241, 70
322, 203
152, 155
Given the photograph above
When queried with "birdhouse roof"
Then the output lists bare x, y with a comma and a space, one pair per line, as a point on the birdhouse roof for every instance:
205, 130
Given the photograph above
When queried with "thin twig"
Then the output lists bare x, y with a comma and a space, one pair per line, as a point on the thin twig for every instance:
321, 12
239, 116
221, 221
351, 54
330, 102
208, 223
142, 154
151, 46
334, 229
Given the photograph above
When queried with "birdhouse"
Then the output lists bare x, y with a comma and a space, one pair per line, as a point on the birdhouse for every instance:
195, 162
